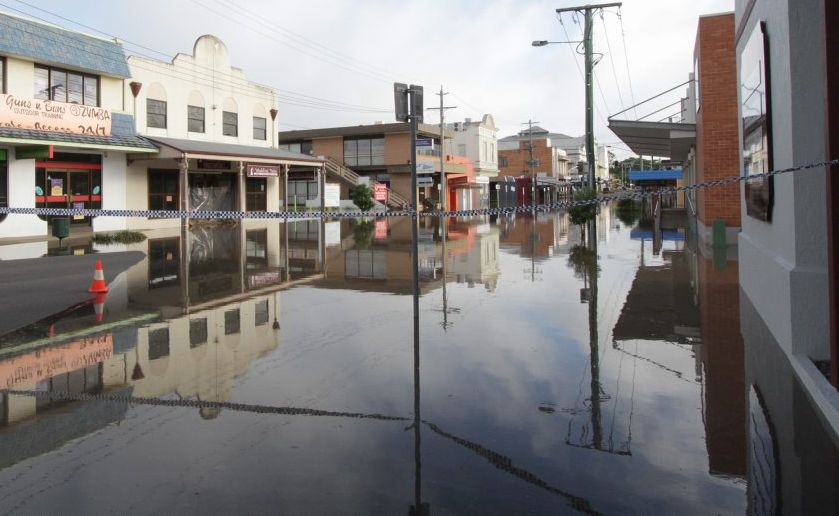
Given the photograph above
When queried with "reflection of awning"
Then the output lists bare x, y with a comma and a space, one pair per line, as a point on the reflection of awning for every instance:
647, 234
655, 175
172, 148
664, 139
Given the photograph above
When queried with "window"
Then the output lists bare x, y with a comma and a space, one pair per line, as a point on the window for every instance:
259, 128
195, 119
261, 313
156, 113
2, 81
231, 322
164, 262
502, 161
364, 152
65, 86
4, 185
301, 191
163, 190
298, 147
197, 332
461, 149
158, 343
230, 123
255, 197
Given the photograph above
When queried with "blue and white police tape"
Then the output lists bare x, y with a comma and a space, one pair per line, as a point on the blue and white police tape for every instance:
507, 210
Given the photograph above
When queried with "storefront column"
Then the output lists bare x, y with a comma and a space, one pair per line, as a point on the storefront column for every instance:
322, 188
285, 187
183, 184
243, 205
21, 177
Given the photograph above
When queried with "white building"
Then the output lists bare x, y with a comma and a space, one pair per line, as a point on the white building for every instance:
215, 130
64, 129
477, 141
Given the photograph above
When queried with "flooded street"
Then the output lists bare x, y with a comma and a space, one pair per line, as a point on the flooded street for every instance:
271, 367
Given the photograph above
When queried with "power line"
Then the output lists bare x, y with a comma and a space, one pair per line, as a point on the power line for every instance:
626, 62
612, 58
237, 83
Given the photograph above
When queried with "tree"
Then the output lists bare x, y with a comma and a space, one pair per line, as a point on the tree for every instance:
362, 197
582, 214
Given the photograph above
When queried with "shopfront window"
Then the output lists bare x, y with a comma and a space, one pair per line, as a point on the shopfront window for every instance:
301, 191
66, 86
260, 131
255, 195
163, 190
363, 152
164, 262
156, 113
230, 123
195, 119
197, 332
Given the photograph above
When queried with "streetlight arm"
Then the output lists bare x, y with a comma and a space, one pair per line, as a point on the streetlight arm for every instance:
542, 42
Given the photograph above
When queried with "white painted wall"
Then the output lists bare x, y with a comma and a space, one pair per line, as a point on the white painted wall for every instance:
479, 140
783, 264
114, 191
207, 77
21, 195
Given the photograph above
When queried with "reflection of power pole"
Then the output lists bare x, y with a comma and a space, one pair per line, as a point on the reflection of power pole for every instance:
588, 11
593, 340
443, 179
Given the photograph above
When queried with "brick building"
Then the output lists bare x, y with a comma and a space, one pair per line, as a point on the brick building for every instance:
551, 168
702, 133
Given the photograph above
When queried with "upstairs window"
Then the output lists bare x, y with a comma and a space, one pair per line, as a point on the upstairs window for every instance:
3, 75
230, 123
364, 152
195, 119
66, 86
156, 113
260, 131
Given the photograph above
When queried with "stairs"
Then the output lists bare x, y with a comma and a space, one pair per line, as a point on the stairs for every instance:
338, 170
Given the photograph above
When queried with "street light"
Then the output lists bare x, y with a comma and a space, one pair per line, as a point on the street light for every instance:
543, 42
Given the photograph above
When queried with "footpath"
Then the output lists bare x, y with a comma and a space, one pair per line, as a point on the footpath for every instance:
33, 289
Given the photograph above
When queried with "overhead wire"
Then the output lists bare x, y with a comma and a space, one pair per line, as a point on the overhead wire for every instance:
284, 96
612, 58
626, 62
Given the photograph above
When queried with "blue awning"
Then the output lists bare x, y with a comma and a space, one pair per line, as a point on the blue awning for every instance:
669, 235
655, 175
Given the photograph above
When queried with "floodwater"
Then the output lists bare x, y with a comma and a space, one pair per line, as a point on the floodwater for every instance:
541, 368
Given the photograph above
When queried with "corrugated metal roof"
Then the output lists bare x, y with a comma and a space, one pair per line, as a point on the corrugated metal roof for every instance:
122, 135
48, 44
232, 150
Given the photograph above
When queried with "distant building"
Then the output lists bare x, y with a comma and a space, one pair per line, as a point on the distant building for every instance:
477, 141
551, 168
381, 153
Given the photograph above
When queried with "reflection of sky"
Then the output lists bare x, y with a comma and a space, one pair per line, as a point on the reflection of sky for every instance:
507, 353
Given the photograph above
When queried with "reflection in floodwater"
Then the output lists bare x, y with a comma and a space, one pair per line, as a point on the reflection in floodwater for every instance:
599, 365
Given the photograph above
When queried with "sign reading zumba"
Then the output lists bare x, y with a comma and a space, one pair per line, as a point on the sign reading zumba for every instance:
46, 115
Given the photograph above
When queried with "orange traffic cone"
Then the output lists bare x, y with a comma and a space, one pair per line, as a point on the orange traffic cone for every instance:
99, 306
98, 286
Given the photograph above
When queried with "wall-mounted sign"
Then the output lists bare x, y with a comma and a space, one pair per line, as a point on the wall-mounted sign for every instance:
213, 164
46, 115
380, 192
425, 181
425, 142
263, 170
481, 180
425, 167
331, 195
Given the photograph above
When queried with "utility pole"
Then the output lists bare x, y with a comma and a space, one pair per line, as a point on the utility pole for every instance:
588, 11
444, 193
531, 163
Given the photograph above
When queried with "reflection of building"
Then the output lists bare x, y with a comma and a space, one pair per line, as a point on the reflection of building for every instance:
539, 238
478, 263
65, 142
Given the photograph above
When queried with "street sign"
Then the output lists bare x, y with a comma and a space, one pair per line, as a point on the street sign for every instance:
425, 142
400, 98
331, 195
380, 192
416, 102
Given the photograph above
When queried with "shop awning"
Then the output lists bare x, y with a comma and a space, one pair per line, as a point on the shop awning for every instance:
655, 175
665, 139
173, 148
123, 138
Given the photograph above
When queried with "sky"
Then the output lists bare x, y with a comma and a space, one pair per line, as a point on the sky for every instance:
334, 62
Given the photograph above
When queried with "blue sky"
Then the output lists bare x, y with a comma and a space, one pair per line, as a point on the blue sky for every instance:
352, 52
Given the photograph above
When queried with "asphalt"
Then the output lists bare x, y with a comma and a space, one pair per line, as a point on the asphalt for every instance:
33, 289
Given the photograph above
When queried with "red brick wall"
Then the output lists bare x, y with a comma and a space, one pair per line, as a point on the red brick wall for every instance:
517, 159
717, 139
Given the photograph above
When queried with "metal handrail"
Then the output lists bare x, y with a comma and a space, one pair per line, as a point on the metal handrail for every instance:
653, 98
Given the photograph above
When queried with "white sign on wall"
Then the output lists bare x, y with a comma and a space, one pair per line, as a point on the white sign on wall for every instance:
331, 195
